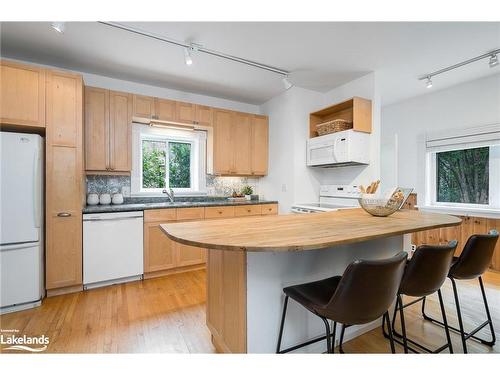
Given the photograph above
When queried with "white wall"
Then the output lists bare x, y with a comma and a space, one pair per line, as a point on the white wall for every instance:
466, 105
95, 80
288, 178
288, 132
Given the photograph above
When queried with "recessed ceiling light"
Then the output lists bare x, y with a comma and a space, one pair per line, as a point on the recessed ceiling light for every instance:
428, 84
286, 82
493, 61
58, 26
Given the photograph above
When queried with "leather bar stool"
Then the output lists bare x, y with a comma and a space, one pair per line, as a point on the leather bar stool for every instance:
361, 295
424, 275
471, 264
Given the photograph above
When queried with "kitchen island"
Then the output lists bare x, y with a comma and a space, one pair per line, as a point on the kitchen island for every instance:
250, 261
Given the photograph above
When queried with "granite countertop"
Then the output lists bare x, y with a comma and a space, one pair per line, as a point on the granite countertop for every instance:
140, 204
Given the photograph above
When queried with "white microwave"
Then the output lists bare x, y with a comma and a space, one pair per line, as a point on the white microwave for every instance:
339, 149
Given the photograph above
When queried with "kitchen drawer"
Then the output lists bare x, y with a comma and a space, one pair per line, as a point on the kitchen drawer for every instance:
166, 214
248, 210
192, 213
269, 209
219, 212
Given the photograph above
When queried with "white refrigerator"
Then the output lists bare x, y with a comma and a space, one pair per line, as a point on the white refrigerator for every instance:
21, 221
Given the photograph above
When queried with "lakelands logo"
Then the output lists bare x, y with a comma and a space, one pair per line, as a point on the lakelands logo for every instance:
32, 344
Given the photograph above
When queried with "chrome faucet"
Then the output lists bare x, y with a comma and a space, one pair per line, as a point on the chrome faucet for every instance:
170, 194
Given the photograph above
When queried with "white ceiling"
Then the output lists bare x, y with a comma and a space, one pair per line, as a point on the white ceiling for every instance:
321, 56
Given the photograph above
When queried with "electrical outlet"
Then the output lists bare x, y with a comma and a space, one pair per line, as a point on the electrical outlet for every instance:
283, 188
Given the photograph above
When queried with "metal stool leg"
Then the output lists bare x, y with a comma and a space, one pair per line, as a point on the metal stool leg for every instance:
490, 322
446, 328
328, 336
459, 314
460, 330
406, 341
334, 329
285, 304
341, 350
391, 339
403, 326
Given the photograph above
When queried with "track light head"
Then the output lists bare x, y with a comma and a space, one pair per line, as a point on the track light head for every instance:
188, 59
428, 83
286, 83
493, 61
58, 26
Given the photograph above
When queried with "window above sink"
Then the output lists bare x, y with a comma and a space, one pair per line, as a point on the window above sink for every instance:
164, 158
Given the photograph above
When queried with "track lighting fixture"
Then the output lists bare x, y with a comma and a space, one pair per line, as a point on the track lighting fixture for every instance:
493, 61
493, 55
428, 84
286, 82
187, 56
58, 26
190, 48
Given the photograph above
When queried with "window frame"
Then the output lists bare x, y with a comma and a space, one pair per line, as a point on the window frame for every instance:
197, 141
494, 174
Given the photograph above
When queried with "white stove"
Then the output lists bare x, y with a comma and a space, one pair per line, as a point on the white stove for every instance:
331, 198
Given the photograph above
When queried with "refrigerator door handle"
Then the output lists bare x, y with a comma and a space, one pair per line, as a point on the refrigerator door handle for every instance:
37, 189
16, 246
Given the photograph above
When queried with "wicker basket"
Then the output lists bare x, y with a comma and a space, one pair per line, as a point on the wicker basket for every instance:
333, 126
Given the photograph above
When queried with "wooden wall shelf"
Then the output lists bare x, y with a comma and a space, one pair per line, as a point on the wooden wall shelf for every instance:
356, 110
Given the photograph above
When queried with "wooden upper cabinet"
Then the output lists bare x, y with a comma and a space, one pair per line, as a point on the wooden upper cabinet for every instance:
64, 108
143, 107
96, 129
22, 95
242, 141
120, 131
223, 150
108, 130
184, 112
165, 110
260, 145
203, 115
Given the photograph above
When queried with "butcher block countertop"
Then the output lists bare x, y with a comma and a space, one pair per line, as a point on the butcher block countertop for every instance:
299, 232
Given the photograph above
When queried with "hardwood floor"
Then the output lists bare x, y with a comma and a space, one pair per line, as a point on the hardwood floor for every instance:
167, 315
164, 315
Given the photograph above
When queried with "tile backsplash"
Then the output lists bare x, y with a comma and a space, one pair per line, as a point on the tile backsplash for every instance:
216, 185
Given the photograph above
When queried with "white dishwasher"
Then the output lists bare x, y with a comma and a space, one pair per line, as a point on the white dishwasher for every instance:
112, 248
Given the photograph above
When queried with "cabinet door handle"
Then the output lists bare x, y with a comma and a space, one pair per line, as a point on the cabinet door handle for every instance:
63, 214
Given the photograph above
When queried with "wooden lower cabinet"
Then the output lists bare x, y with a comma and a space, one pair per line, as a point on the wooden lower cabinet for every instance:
495, 224
470, 225
189, 255
64, 251
159, 250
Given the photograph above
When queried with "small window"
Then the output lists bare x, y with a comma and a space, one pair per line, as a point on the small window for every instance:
168, 159
462, 176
